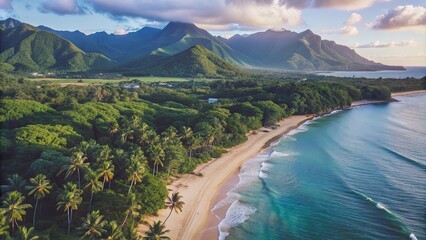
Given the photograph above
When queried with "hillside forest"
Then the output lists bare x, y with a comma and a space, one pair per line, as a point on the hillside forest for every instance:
90, 161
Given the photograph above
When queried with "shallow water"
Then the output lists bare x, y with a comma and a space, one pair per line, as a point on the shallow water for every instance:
357, 174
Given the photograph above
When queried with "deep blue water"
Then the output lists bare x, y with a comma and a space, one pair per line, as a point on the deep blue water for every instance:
415, 72
355, 174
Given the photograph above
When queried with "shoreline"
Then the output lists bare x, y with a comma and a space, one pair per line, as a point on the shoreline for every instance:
198, 192
202, 193
396, 94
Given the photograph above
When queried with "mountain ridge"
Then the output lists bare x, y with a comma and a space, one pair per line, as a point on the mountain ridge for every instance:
271, 49
27, 48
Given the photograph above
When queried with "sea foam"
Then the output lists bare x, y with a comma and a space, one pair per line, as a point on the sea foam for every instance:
237, 213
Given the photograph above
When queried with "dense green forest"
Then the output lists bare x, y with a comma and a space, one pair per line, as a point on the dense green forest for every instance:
91, 161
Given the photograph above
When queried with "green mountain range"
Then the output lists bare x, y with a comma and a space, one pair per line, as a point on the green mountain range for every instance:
29, 49
301, 51
197, 61
149, 49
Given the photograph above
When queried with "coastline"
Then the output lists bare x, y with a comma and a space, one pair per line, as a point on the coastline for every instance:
202, 193
396, 94
199, 190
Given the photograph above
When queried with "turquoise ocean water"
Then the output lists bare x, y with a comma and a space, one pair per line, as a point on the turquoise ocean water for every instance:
355, 174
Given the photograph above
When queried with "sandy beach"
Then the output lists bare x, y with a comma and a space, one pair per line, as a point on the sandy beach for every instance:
199, 191
396, 94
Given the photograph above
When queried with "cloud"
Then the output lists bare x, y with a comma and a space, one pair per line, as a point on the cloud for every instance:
345, 4
345, 30
62, 7
214, 14
349, 30
378, 44
337, 4
401, 17
121, 32
353, 19
6, 4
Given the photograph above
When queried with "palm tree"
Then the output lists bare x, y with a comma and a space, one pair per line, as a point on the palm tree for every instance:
135, 170
4, 227
14, 209
93, 225
156, 232
40, 187
195, 143
157, 154
174, 203
186, 133
15, 183
76, 163
143, 133
114, 231
106, 172
69, 200
93, 184
132, 210
26, 233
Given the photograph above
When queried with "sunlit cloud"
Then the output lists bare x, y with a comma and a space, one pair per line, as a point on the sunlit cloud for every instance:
378, 44
345, 4
353, 19
121, 32
62, 7
6, 4
345, 30
402, 17
219, 14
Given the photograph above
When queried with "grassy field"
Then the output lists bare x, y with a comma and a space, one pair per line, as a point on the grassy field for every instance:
103, 81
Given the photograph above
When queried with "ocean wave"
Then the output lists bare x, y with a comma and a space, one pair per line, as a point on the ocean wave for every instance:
279, 154
237, 213
391, 215
405, 158
302, 128
231, 197
266, 166
263, 174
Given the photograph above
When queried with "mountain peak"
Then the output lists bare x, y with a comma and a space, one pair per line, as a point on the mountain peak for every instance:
181, 26
9, 23
277, 30
307, 32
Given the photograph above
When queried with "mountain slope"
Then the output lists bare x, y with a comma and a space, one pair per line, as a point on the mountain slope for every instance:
174, 38
9, 23
30, 49
117, 47
301, 51
196, 61
177, 37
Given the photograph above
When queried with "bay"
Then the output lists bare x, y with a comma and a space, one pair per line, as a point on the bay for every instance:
355, 174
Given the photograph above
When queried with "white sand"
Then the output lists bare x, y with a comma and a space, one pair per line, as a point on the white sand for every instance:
198, 191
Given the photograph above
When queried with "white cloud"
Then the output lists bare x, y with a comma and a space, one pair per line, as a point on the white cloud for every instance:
210, 14
401, 17
345, 30
121, 32
6, 4
62, 7
378, 44
345, 4
349, 30
353, 19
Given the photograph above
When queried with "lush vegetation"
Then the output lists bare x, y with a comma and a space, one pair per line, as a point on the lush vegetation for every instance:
91, 161
196, 61
26, 48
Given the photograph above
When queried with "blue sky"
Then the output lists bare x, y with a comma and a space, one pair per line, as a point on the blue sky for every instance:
387, 31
